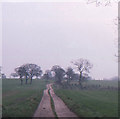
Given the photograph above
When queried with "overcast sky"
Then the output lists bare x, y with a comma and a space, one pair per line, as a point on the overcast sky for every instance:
58, 33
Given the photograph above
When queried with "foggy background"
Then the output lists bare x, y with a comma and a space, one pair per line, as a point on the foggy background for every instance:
58, 33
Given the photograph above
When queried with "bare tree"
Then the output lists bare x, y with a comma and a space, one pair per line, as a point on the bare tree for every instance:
83, 66
102, 2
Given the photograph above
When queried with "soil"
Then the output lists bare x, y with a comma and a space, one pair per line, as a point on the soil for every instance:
44, 109
61, 109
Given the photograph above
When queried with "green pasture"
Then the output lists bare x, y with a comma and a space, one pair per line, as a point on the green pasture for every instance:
91, 102
21, 100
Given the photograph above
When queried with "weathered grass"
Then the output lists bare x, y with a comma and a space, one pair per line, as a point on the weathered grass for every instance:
52, 105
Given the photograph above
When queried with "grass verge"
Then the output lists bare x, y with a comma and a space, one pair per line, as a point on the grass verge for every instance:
52, 105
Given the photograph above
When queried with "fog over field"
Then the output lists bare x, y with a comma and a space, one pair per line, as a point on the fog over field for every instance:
58, 33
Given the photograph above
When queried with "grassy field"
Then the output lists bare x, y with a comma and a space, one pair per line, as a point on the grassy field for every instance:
21, 100
91, 102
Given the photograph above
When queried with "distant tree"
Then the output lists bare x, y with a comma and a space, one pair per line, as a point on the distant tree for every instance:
38, 73
47, 75
83, 66
33, 70
86, 77
76, 76
21, 72
28, 71
59, 73
3, 76
70, 74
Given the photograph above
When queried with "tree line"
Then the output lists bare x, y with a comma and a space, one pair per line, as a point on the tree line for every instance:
28, 71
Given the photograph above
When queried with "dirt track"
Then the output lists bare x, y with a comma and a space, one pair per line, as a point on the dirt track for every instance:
44, 108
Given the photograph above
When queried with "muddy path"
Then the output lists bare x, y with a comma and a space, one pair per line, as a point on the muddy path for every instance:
44, 109
61, 109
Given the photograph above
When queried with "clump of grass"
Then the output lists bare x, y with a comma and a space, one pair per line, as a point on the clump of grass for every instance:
52, 105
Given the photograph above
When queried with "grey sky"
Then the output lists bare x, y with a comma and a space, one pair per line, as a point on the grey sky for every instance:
58, 33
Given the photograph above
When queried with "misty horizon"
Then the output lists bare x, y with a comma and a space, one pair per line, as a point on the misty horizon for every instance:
50, 34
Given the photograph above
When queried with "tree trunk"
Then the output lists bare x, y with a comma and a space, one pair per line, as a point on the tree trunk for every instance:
26, 80
21, 80
80, 80
68, 80
59, 81
31, 81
